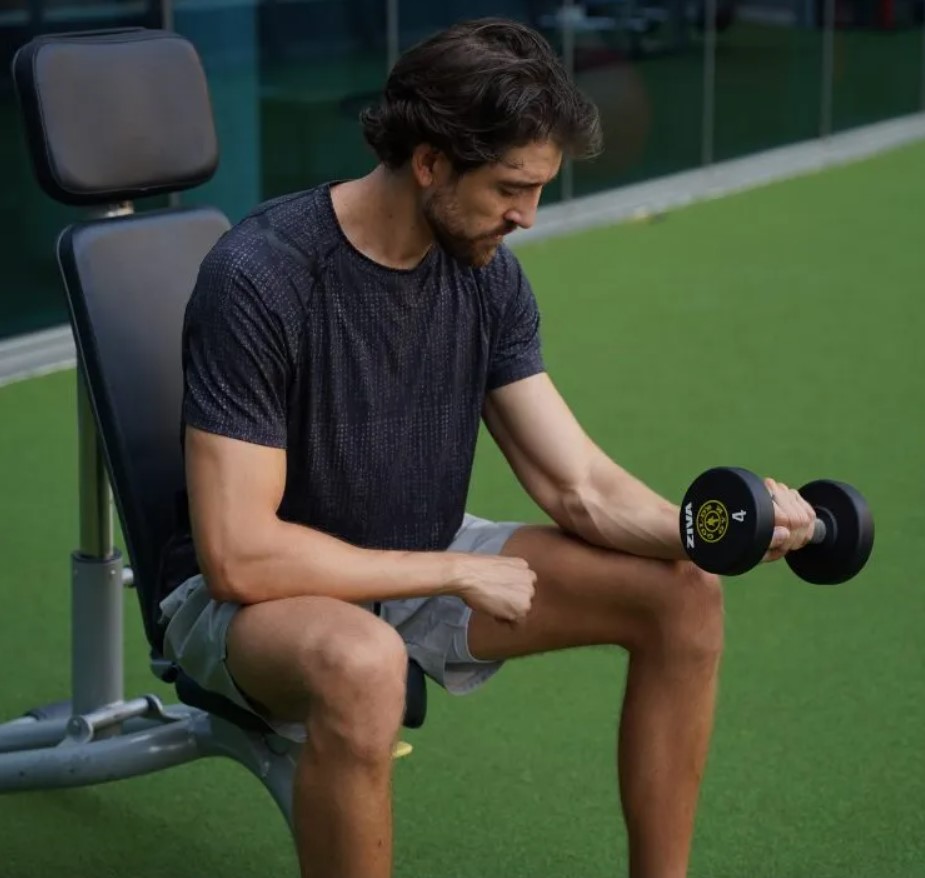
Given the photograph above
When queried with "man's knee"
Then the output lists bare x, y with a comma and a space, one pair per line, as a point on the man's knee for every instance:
359, 688
689, 620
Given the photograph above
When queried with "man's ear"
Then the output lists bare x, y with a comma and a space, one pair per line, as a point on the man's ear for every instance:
429, 165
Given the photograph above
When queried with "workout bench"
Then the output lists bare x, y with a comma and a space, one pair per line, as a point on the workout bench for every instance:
110, 117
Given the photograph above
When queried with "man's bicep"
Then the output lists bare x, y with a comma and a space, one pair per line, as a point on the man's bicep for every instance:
540, 437
235, 489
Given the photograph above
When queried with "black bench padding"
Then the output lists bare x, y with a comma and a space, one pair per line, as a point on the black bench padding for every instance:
115, 115
128, 281
191, 693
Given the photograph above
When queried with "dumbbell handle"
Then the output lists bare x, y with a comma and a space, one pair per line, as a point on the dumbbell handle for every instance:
822, 527
819, 532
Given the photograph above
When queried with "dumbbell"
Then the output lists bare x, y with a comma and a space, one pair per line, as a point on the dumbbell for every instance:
727, 522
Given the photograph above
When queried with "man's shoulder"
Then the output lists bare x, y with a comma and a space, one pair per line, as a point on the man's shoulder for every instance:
503, 278
286, 233
295, 215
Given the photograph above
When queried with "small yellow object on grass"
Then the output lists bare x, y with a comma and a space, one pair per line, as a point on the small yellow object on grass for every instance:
402, 748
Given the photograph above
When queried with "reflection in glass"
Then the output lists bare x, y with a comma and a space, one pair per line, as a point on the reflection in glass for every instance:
877, 61
322, 61
642, 63
769, 69
289, 78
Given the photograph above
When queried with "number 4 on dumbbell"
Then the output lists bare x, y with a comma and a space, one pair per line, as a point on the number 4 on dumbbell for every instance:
731, 543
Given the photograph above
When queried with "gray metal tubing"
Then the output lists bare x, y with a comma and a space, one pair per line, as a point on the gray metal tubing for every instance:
27, 733
828, 69
279, 781
141, 723
922, 79
708, 117
392, 34
54, 710
167, 16
568, 60
89, 725
97, 762
271, 760
96, 632
31, 734
146, 745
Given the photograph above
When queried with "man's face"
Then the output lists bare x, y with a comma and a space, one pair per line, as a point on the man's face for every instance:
470, 214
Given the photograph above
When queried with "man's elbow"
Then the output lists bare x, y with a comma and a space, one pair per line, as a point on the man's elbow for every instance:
570, 507
223, 579
230, 573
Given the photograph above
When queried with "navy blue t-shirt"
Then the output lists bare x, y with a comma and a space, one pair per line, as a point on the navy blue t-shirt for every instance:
371, 378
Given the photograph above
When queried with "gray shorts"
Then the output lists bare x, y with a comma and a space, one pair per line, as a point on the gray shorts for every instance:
433, 628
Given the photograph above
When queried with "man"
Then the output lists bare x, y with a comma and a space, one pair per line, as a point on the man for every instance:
341, 348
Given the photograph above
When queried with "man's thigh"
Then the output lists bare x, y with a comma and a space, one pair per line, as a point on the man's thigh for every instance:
281, 652
585, 595
268, 658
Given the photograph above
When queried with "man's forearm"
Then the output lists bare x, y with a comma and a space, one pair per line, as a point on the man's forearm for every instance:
615, 510
288, 560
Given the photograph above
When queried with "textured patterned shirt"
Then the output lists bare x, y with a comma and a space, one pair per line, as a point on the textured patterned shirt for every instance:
371, 378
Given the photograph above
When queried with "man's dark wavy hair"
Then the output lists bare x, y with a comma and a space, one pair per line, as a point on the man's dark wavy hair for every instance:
476, 90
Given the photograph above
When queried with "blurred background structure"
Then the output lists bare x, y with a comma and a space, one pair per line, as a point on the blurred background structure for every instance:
682, 84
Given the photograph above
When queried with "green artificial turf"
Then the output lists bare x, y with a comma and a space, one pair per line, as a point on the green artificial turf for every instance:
781, 330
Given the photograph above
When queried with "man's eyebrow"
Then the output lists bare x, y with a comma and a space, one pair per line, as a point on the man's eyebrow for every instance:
521, 184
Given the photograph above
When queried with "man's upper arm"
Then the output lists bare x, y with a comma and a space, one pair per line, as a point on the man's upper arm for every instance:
235, 489
238, 358
516, 351
542, 440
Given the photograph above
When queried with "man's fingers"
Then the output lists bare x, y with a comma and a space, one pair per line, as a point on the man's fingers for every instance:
778, 547
807, 507
793, 520
779, 537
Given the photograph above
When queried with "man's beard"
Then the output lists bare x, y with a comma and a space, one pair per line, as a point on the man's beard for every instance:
447, 230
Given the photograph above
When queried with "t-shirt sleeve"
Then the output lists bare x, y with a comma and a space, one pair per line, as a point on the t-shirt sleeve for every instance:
516, 347
237, 362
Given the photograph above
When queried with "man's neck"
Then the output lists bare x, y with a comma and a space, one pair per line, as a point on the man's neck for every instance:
380, 216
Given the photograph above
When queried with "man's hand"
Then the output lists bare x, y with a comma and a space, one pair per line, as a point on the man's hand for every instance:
499, 586
794, 520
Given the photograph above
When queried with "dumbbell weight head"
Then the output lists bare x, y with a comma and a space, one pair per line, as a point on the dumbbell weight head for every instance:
849, 534
727, 520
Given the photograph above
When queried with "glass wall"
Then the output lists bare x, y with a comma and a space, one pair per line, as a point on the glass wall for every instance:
769, 79
226, 35
876, 60
320, 64
680, 84
641, 61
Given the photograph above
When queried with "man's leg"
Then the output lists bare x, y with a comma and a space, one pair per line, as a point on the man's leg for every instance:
342, 672
669, 616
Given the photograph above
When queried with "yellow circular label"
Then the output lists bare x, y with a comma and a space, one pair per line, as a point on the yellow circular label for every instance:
712, 521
